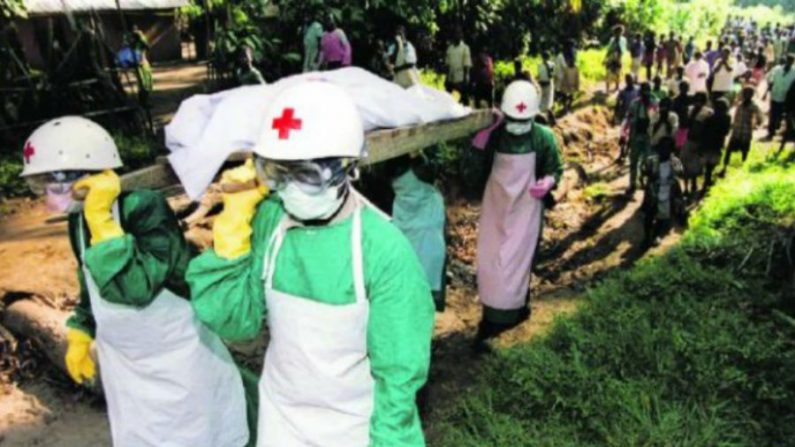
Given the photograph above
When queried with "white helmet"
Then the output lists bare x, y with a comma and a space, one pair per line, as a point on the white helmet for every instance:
520, 100
69, 143
314, 119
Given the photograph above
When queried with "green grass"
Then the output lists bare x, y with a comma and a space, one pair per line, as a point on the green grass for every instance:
596, 192
681, 350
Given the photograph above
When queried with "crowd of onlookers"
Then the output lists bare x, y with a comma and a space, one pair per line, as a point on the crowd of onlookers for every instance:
699, 102
697, 106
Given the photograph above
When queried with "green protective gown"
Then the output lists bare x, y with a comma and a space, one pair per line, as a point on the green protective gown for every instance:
418, 211
228, 296
134, 268
540, 140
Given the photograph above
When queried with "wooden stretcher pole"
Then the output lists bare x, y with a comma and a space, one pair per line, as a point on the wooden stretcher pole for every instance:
382, 145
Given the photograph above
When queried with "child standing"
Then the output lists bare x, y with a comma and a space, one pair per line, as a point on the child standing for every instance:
747, 117
662, 193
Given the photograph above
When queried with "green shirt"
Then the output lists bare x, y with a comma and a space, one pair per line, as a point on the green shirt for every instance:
316, 263
540, 140
780, 82
132, 269
249, 76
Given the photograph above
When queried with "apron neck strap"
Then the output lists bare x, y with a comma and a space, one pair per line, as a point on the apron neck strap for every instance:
276, 240
356, 250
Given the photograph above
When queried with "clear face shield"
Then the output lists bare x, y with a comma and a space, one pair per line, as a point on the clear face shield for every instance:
57, 189
309, 189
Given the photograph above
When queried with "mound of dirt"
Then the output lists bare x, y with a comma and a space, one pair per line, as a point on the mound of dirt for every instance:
587, 135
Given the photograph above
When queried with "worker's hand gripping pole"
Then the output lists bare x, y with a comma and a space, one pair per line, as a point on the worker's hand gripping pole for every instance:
242, 192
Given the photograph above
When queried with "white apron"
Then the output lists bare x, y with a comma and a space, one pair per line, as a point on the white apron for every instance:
510, 223
168, 380
316, 387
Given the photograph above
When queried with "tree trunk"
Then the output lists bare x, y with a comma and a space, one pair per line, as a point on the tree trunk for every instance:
36, 321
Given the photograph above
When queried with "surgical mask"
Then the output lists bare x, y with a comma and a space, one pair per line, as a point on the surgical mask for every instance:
59, 198
519, 128
305, 206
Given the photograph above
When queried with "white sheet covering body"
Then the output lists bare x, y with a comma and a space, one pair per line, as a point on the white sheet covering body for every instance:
209, 128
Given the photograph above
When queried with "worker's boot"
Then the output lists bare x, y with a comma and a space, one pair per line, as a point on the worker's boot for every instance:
489, 329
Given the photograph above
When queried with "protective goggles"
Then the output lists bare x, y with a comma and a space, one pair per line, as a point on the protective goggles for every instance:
53, 182
311, 176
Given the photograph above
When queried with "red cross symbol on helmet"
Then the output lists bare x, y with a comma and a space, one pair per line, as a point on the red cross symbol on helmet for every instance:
285, 123
28, 152
521, 107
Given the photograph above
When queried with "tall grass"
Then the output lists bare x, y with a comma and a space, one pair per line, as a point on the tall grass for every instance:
682, 350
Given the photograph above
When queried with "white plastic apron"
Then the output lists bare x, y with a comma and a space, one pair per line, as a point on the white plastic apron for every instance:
168, 380
510, 223
316, 388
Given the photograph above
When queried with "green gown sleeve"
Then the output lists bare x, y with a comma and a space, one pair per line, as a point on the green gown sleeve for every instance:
227, 294
398, 338
82, 318
551, 159
152, 254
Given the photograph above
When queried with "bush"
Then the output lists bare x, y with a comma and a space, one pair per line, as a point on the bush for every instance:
136, 151
11, 185
681, 350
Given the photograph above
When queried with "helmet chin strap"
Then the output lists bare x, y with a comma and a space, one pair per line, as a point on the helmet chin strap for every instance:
345, 192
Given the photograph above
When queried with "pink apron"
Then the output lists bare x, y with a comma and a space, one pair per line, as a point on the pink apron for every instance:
510, 223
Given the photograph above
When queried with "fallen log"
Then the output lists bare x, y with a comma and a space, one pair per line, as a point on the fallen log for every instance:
41, 323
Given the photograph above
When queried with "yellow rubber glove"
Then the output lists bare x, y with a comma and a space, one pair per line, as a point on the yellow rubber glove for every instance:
78, 359
232, 228
101, 191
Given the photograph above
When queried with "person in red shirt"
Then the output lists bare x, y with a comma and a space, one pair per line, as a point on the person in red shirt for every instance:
483, 78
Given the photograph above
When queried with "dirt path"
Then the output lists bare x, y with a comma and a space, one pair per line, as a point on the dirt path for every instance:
173, 84
585, 238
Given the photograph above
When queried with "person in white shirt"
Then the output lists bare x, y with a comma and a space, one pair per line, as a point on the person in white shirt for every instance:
724, 73
402, 59
546, 79
459, 64
697, 72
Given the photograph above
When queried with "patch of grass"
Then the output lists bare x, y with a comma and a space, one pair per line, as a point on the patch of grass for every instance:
596, 192
683, 349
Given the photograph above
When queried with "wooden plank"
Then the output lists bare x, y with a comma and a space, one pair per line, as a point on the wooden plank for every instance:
382, 145
386, 144
156, 176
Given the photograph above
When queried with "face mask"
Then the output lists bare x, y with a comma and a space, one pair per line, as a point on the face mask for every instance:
519, 128
59, 198
304, 206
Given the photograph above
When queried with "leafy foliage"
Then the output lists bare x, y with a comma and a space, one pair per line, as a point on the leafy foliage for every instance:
12, 8
11, 184
684, 349
699, 18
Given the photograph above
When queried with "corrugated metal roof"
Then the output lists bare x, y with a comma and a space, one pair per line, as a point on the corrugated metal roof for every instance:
61, 6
